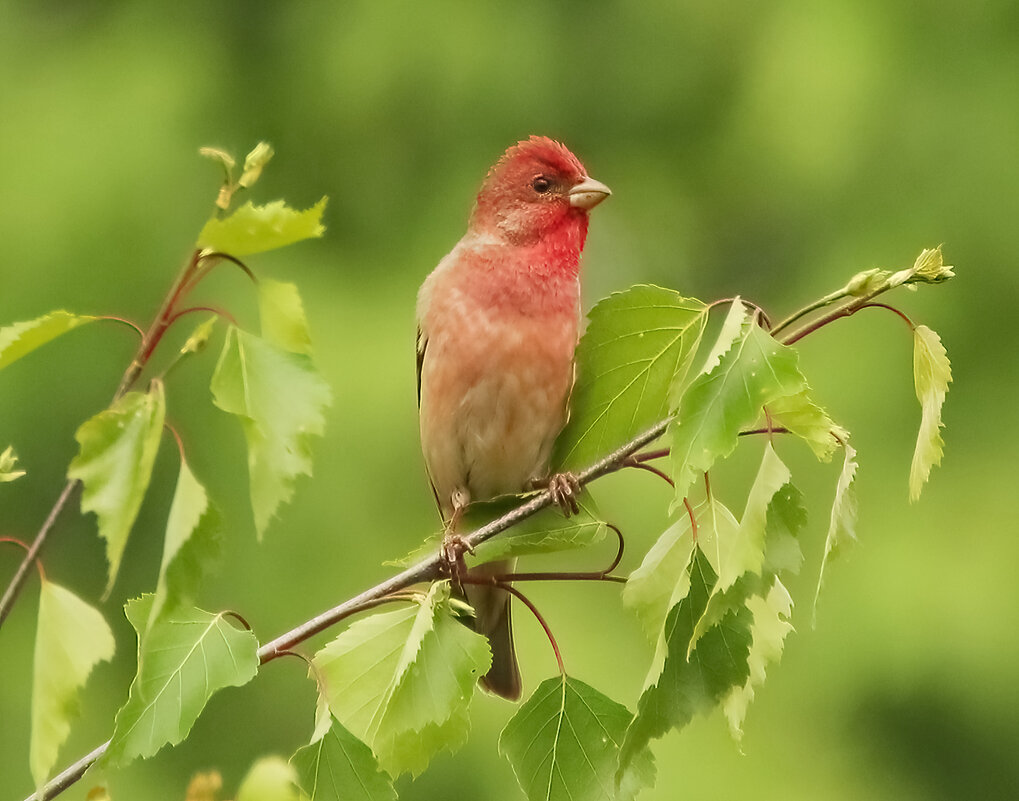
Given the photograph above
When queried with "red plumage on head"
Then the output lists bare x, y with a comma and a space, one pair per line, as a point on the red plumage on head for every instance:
509, 206
538, 152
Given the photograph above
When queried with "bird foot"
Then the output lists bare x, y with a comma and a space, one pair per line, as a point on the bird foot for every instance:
452, 550
565, 488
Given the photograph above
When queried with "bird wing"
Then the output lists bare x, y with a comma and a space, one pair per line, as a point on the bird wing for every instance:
422, 346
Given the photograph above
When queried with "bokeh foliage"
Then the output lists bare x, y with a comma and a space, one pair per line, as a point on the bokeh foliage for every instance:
768, 150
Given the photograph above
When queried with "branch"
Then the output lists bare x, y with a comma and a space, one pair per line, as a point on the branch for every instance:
426, 570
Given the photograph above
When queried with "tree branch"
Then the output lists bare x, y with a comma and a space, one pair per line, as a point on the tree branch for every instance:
426, 570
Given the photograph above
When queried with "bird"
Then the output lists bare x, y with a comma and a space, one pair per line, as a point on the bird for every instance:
498, 323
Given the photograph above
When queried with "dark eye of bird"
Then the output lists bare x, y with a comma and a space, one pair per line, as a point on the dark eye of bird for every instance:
541, 184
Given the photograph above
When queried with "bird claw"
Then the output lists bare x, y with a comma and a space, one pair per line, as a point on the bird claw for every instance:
451, 562
564, 489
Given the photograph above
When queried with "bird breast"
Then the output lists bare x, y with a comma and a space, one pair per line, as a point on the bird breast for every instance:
494, 387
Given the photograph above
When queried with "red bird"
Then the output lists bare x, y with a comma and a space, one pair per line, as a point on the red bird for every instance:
497, 329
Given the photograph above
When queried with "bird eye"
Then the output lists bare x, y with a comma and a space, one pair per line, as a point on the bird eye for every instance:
541, 184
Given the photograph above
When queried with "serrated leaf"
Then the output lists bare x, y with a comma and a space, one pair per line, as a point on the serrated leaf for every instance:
396, 674
20, 339
339, 767
71, 639
184, 657
803, 417
280, 399
117, 449
695, 684
842, 525
271, 778
547, 531
755, 371
718, 535
739, 555
733, 327
771, 625
786, 517
8, 465
255, 229
282, 315
663, 578
190, 546
930, 267
563, 743
932, 373
638, 344
746, 553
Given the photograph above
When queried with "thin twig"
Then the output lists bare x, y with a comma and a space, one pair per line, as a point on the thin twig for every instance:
537, 616
11, 593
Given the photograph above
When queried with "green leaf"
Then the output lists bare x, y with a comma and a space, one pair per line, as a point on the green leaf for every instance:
694, 683
732, 328
117, 449
638, 344
280, 399
190, 546
755, 371
271, 778
663, 578
545, 532
71, 639
930, 267
563, 743
842, 527
786, 517
19, 339
339, 767
744, 553
771, 625
737, 552
932, 373
808, 421
282, 315
401, 681
255, 229
8, 462
184, 657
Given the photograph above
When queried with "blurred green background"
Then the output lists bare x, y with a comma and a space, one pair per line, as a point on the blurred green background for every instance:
766, 149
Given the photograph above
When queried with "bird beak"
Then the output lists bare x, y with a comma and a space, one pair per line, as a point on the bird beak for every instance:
588, 194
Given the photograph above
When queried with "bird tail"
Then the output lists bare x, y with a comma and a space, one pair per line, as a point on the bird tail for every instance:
492, 619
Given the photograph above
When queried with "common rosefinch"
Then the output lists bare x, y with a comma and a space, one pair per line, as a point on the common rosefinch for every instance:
498, 325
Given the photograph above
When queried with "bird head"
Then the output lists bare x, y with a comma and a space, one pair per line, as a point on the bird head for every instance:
537, 189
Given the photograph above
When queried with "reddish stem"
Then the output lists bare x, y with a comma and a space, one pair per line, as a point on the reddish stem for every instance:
651, 469
33, 552
537, 615
38, 564
599, 575
910, 323
124, 321
214, 309
693, 518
